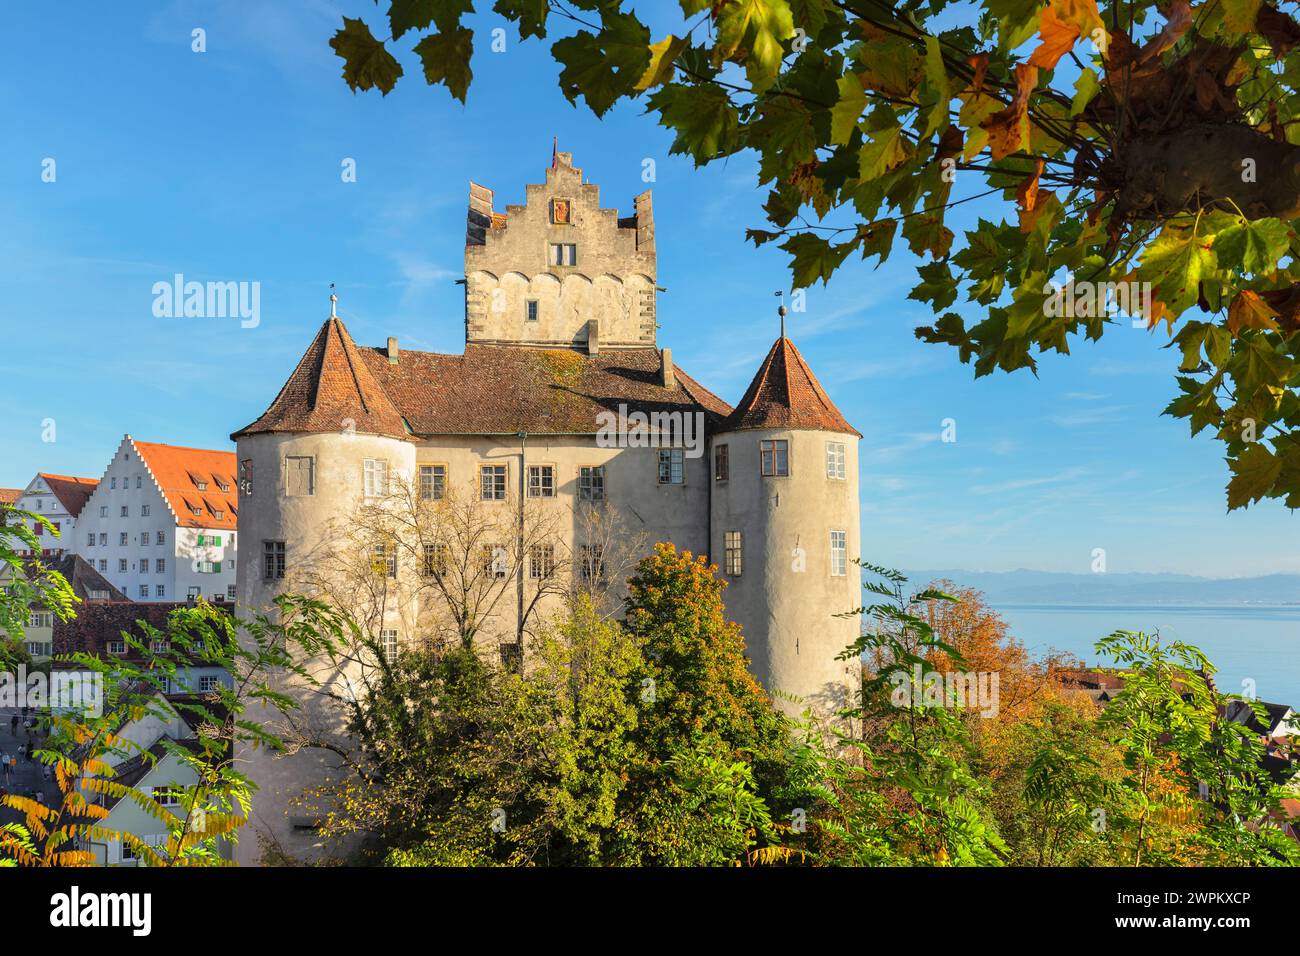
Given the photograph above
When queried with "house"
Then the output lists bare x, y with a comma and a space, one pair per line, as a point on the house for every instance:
98, 629
162, 522
87, 584
59, 499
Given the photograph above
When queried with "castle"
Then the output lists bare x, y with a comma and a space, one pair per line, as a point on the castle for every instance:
564, 398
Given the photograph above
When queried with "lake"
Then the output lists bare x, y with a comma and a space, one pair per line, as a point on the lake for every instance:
1258, 643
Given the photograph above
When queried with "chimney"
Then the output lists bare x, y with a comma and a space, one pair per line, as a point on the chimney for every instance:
593, 336
393, 351
666, 376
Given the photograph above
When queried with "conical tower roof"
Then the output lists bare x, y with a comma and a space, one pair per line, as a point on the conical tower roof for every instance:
786, 394
331, 390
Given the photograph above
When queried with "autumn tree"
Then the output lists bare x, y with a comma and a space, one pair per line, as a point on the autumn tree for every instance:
1119, 148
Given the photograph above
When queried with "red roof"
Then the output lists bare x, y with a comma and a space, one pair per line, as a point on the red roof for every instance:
331, 390
71, 491
489, 390
9, 496
180, 472
786, 394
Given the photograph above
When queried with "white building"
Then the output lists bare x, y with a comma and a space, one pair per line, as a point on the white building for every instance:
161, 525
60, 500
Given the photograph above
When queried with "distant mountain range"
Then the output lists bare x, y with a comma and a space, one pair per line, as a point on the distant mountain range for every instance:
1048, 587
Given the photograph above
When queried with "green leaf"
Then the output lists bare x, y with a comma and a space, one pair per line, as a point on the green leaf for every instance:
847, 109
755, 29
935, 92
703, 117
1253, 246
937, 285
878, 238
662, 56
606, 66
814, 257
366, 62
529, 15
884, 150
1174, 264
1017, 21
446, 60
406, 15
1085, 88
1254, 473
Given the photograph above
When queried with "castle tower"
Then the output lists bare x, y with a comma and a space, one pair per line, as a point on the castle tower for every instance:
330, 437
559, 270
784, 529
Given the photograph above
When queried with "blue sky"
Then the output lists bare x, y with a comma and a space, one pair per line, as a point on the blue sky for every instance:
226, 165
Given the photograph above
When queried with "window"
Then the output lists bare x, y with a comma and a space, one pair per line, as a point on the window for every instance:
835, 459
201, 485
388, 644
670, 466
492, 482
144, 590
98, 594
117, 647
591, 483
564, 254
776, 458
433, 482
230, 592
159, 566
223, 485
128, 853
167, 796
121, 564
376, 477
591, 563
541, 481
383, 560
160, 647
90, 540
732, 542
144, 511
103, 564
246, 476
112, 483
210, 540
721, 463
435, 560
121, 538
103, 539
839, 553
299, 476
209, 683
103, 511
541, 561
139, 482
272, 559
125, 510
495, 560
160, 591
160, 538
530, 310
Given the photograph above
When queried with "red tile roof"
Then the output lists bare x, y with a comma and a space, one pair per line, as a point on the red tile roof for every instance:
179, 472
786, 394
487, 390
9, 496
71, 491
331, 390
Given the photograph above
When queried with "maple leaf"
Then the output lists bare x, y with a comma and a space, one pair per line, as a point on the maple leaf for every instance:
446, 60
1249, 311
366, 62
1058, 39
662, 56
1009, 128
1254, 473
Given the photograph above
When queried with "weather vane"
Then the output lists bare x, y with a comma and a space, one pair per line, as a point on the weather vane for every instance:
333, 299
780, 310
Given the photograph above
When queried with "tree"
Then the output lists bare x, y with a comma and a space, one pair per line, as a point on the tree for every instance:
26, 582
83, 744
1139, 158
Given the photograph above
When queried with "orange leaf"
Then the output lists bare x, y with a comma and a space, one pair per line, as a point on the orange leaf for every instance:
980, 61
1058, 39
1248, 311
1009, 128
1027, 193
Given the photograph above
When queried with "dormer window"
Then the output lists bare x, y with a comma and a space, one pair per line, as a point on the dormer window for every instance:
564, 254
201, 485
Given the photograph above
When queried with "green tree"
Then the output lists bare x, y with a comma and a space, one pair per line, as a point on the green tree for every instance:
1124, 148
26, 582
